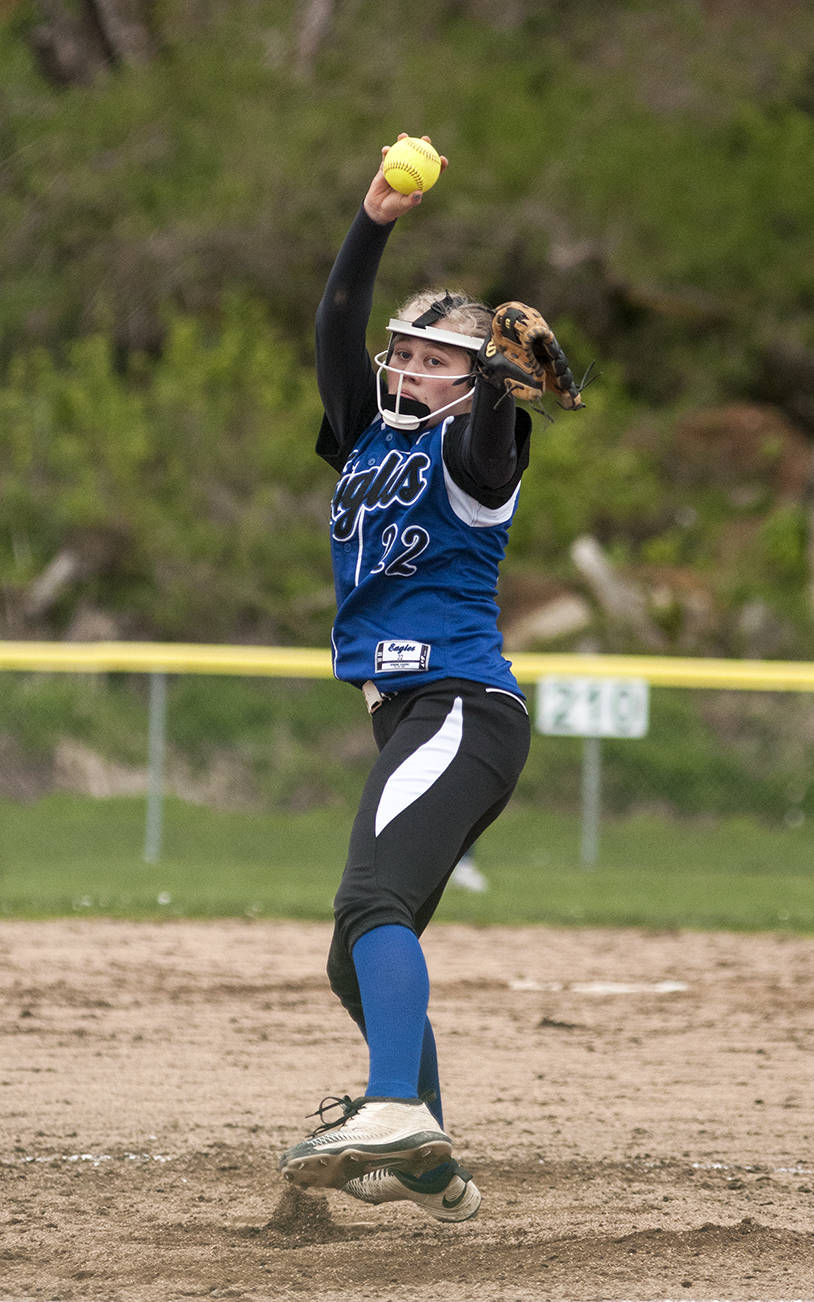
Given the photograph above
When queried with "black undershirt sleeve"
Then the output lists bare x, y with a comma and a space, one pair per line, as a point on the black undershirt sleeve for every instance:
487, 450
345, 375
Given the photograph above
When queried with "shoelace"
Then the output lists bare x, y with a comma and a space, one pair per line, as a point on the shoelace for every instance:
349, 1108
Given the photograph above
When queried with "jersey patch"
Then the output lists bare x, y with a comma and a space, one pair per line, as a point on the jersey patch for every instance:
399, 656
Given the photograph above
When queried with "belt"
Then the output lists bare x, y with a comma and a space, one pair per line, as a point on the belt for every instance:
373, 697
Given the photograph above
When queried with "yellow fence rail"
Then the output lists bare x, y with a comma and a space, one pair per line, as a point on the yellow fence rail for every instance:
309, 662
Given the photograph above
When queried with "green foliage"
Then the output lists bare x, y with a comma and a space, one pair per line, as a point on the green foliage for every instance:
584, 476
199, 475
783, 539
677, 141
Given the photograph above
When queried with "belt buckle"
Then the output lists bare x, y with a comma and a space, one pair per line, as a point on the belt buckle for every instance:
372, 695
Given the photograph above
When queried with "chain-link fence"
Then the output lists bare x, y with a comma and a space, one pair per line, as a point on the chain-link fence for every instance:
633, 759
702, 756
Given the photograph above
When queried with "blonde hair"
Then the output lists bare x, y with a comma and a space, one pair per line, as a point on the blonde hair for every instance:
461, 314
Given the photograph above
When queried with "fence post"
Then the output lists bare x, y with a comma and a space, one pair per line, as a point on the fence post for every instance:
591, 800
157, 732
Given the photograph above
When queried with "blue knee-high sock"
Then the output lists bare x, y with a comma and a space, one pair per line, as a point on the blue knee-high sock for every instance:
428, 1081
395, 991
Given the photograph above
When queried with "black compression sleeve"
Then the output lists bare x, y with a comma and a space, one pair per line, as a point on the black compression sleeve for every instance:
345, 373
487, 451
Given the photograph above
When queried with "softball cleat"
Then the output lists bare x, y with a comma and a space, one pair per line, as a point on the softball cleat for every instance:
400, 1134
451, 1196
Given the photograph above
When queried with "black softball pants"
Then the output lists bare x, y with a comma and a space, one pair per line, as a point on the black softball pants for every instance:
449, 758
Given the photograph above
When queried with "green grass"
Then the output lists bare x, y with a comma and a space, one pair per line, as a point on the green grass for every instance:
70, 856
652, 872
67, 855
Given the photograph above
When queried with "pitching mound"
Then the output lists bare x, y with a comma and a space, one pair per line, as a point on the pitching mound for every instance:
636, 1109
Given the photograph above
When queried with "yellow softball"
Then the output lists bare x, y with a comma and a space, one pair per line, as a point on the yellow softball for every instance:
411, 164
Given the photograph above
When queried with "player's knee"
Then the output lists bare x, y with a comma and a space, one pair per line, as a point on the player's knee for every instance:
359, 908
343, 982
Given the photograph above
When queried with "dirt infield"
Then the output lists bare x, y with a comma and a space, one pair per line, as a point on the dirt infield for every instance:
637, 1109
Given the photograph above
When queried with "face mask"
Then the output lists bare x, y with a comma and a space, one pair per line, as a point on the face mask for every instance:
405, 413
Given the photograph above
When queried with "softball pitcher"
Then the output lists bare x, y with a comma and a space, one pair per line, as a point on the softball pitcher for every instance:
429, 447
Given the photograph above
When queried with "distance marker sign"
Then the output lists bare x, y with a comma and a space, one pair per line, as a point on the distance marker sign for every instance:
593, 707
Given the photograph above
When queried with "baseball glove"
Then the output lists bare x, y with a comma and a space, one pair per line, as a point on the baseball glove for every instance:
522, 356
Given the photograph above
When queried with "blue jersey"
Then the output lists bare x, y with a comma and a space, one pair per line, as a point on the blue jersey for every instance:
416, 564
